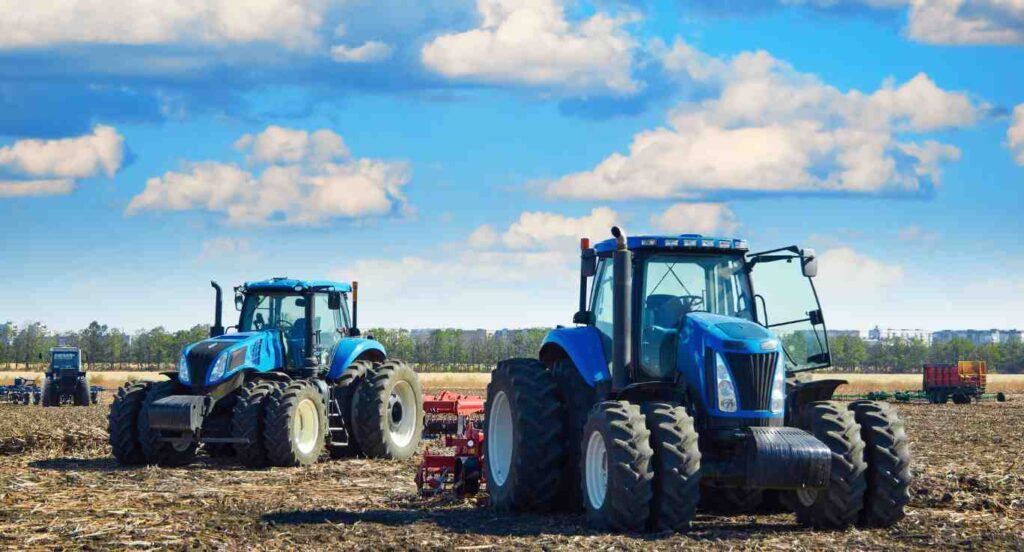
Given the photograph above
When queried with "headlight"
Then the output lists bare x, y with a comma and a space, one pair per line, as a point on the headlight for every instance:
218, 368
183, 375
779, 387
726, 387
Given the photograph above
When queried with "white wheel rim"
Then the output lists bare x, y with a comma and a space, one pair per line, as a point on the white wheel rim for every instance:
596, 469
807, 496
402, 414
499, 439
306, 426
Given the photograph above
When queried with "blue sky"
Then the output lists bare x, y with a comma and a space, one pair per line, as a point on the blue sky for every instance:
450, 154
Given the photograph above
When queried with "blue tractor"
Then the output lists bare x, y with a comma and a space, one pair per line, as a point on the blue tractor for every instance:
679, 387
65, 382
294, 380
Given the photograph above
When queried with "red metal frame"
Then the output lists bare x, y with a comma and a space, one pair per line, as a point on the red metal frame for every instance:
437, 472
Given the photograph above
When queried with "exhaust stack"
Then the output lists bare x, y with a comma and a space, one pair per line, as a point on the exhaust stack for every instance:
218, 326
622, 297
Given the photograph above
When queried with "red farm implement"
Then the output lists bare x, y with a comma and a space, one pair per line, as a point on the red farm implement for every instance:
452, 417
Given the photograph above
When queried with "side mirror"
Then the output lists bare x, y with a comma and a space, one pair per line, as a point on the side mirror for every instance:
588, 266
809, 263
584, 317
239, 300
334, 300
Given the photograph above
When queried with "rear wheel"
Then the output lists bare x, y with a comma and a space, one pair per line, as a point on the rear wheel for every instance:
388, 412
616, 468
48, 392
578, 398
525, 437
676, 464
123, 424
295, 425
887, 451
838, 505
343, 392
82, 392
247, 418
157, 451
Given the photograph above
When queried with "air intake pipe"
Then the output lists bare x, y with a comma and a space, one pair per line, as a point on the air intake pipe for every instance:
622, 298
218, 324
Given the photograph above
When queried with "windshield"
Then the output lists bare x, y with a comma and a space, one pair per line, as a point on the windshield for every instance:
65, 360
678, 284
286, 313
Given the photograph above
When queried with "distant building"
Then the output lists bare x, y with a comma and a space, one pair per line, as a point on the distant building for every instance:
845, 333
978, 337
889, 334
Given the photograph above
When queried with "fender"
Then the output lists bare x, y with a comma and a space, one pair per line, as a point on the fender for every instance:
801, 393
583, 346
351, 348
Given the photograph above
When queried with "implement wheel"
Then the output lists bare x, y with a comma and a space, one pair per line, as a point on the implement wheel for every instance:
888, 455
247, 419
123, 424
388, 412
616, 468
295, 429
162, 453
525, 437
838, 506
676, 464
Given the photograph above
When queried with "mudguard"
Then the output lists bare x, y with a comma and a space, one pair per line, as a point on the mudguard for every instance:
583, 347
351, 348
801, 393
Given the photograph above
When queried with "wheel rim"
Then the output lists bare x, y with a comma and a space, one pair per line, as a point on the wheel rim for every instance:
807, 496
306, 426
596, 469
499, 439
402, 414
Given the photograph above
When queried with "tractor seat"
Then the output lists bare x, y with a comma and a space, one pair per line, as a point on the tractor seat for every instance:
666, 311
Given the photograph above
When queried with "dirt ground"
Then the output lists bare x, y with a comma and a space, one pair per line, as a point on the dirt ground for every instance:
59, 489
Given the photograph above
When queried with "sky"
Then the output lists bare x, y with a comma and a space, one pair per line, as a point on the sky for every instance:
449, 155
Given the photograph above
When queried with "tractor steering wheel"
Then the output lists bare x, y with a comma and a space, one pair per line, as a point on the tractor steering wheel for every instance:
691, 302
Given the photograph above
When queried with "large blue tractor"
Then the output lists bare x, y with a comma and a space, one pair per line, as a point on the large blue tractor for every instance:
294, 379
680, 386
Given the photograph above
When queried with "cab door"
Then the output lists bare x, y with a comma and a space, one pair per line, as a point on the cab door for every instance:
786, 302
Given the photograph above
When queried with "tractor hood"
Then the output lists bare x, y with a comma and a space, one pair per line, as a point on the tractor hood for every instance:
726, 333
214, 360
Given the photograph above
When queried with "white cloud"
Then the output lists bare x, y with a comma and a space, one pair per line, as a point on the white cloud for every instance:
914, 233
51, 167
26, 188
856, 290
367, 52
697, 218
771, 128
291, 23
80, 157
484, 236
307, 178
1015, 134
530, 42
540, 229
966, 22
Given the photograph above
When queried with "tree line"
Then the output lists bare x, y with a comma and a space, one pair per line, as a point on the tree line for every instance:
454, 350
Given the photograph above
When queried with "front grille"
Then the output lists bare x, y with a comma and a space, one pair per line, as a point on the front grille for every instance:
753, 375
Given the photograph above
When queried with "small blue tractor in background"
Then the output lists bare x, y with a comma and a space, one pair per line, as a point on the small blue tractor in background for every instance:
295, 379
679, 387
65, 382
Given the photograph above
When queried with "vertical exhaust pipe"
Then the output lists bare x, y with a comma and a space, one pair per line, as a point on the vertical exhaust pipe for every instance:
355, 308
622, 298
218, 326
584, 247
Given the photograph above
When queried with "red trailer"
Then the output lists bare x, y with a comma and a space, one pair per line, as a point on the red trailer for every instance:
961, 381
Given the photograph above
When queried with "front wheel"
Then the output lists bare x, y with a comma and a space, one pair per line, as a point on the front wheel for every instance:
156, 450
887, 450
388, 412
616, 468
676, 463
123, 424
82, 392
48, 392
295, 429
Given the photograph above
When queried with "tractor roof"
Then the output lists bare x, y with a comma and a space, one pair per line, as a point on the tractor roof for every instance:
681, 242
289, 284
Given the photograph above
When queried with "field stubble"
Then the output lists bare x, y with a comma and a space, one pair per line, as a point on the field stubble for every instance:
60, 489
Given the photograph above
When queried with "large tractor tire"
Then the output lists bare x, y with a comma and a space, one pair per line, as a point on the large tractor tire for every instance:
388, 412
123, 424
616, 468
578, 398
732, 500
887, 451
344, 394
50, 397
162, 453
82, 392
247, 422
676, 464
525, 437
837, 506
295, 425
